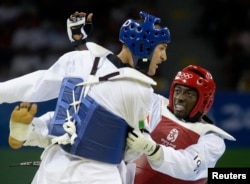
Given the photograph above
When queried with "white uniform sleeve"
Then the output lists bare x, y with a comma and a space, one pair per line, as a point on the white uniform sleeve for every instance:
155, 112
39, 135
193, 162
131, 155
37, 86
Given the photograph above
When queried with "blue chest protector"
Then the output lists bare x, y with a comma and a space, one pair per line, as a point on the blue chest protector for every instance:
101, 135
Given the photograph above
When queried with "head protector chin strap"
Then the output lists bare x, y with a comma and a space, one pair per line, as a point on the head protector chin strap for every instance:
78, 25
142, 38
142, 63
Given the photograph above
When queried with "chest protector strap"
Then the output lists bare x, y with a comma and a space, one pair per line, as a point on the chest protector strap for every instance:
101, 135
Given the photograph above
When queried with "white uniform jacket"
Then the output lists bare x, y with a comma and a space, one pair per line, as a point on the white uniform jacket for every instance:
129, 97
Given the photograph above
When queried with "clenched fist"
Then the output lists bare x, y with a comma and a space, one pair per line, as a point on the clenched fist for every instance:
77, 14
79, 27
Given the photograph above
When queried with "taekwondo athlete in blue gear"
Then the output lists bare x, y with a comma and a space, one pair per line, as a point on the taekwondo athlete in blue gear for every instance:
106, 90
141, 40
142, 46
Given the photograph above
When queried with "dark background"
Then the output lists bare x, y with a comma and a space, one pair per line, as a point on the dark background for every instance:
214, 34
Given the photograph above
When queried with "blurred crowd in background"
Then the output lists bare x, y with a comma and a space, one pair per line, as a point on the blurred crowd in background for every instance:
226, 23
33, 34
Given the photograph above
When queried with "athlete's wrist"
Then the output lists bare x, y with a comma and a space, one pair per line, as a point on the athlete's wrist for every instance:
157, 147
157, 154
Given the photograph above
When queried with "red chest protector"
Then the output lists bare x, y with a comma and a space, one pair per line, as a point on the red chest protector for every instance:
168, 133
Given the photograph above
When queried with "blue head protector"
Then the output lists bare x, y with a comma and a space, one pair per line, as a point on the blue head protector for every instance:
142, 38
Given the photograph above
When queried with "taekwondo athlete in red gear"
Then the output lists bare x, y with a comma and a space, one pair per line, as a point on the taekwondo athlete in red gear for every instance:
96, 106
184, 142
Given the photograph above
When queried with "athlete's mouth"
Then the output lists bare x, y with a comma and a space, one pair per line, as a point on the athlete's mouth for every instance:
179, 107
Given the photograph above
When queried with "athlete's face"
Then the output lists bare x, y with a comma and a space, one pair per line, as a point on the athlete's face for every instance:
159, 56
184, 100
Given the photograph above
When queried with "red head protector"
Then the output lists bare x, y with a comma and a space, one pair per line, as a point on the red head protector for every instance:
202, 81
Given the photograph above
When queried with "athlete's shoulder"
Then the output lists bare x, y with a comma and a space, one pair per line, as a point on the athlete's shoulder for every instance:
71, 54
97, 50
133, 74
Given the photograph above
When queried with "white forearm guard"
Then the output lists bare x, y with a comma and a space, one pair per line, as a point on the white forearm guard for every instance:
20, 131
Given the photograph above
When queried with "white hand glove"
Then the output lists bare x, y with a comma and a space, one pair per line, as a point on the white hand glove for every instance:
138, 142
